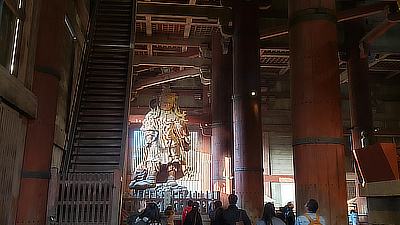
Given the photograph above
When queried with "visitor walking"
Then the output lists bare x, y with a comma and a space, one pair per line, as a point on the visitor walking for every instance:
269, 216
233, 214
310, 217
187, 210
194, 217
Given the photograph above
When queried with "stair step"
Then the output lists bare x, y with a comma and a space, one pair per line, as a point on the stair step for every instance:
108, 24
111, 55
106, 67
97, 142
111, 29
108, 73
107, 33
99, 150
98, 134
98, 112
101, 119
97, 98
99, 126
101, 91
91, 159
104, 85
94, 79
111, 62
105, 168
109, 49
105, 105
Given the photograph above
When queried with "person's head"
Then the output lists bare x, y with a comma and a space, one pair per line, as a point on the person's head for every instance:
232, 198
169, 210
312, 206
290, 205
269, 212
217, 204
195, 207
151, 212
190, 203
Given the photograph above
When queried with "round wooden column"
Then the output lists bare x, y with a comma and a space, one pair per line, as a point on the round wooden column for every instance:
247, 108
40, 133
359, 85
316, 109
221, 109
359, 95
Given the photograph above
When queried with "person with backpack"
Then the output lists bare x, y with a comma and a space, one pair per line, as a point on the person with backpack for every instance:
269, 216
310, 217
233, 215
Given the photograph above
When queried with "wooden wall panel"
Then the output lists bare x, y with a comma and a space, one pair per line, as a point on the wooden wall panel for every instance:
12, 142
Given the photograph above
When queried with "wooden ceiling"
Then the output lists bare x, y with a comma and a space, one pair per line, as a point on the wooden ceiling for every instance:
172, 47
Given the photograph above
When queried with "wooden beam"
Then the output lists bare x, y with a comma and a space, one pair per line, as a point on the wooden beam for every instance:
83, 13
274, 32
12, 5
149, 29
342, 16
170, 61
281, 128
192, 41
188, 27
13, 92
181, 10
209, 24
165, 78
362, 11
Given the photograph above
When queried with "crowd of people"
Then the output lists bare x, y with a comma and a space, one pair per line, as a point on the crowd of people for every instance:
232, 215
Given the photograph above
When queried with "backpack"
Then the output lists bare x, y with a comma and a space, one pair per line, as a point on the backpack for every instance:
313, 222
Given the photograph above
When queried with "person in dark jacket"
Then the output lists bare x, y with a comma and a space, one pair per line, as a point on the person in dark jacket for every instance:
187, 210
151, 215
233, 214
194, 216
216, 214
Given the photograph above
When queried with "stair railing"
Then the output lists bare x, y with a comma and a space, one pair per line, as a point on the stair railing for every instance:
76, 100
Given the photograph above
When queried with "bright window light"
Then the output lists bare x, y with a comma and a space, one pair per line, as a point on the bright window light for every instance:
14, 47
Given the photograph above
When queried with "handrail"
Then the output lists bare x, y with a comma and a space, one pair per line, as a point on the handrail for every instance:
73, 115
129, 85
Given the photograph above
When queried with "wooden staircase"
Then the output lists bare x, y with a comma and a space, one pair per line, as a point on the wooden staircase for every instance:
88, 189
98, 135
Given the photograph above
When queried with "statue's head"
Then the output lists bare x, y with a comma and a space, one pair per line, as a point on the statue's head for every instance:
167, 99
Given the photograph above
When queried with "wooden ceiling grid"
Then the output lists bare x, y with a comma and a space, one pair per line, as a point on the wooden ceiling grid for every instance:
162, 49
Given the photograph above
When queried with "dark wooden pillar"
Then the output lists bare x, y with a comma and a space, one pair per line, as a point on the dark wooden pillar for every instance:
316, 109
247, 107
221, 110
359, 96
40, 133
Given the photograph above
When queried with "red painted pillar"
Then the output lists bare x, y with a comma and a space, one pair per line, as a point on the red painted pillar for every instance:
359, 95
40, 133
221, 109
316, 109
247, 107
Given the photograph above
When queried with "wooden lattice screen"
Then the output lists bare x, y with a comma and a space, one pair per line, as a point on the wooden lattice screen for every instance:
84, 198
12, 142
